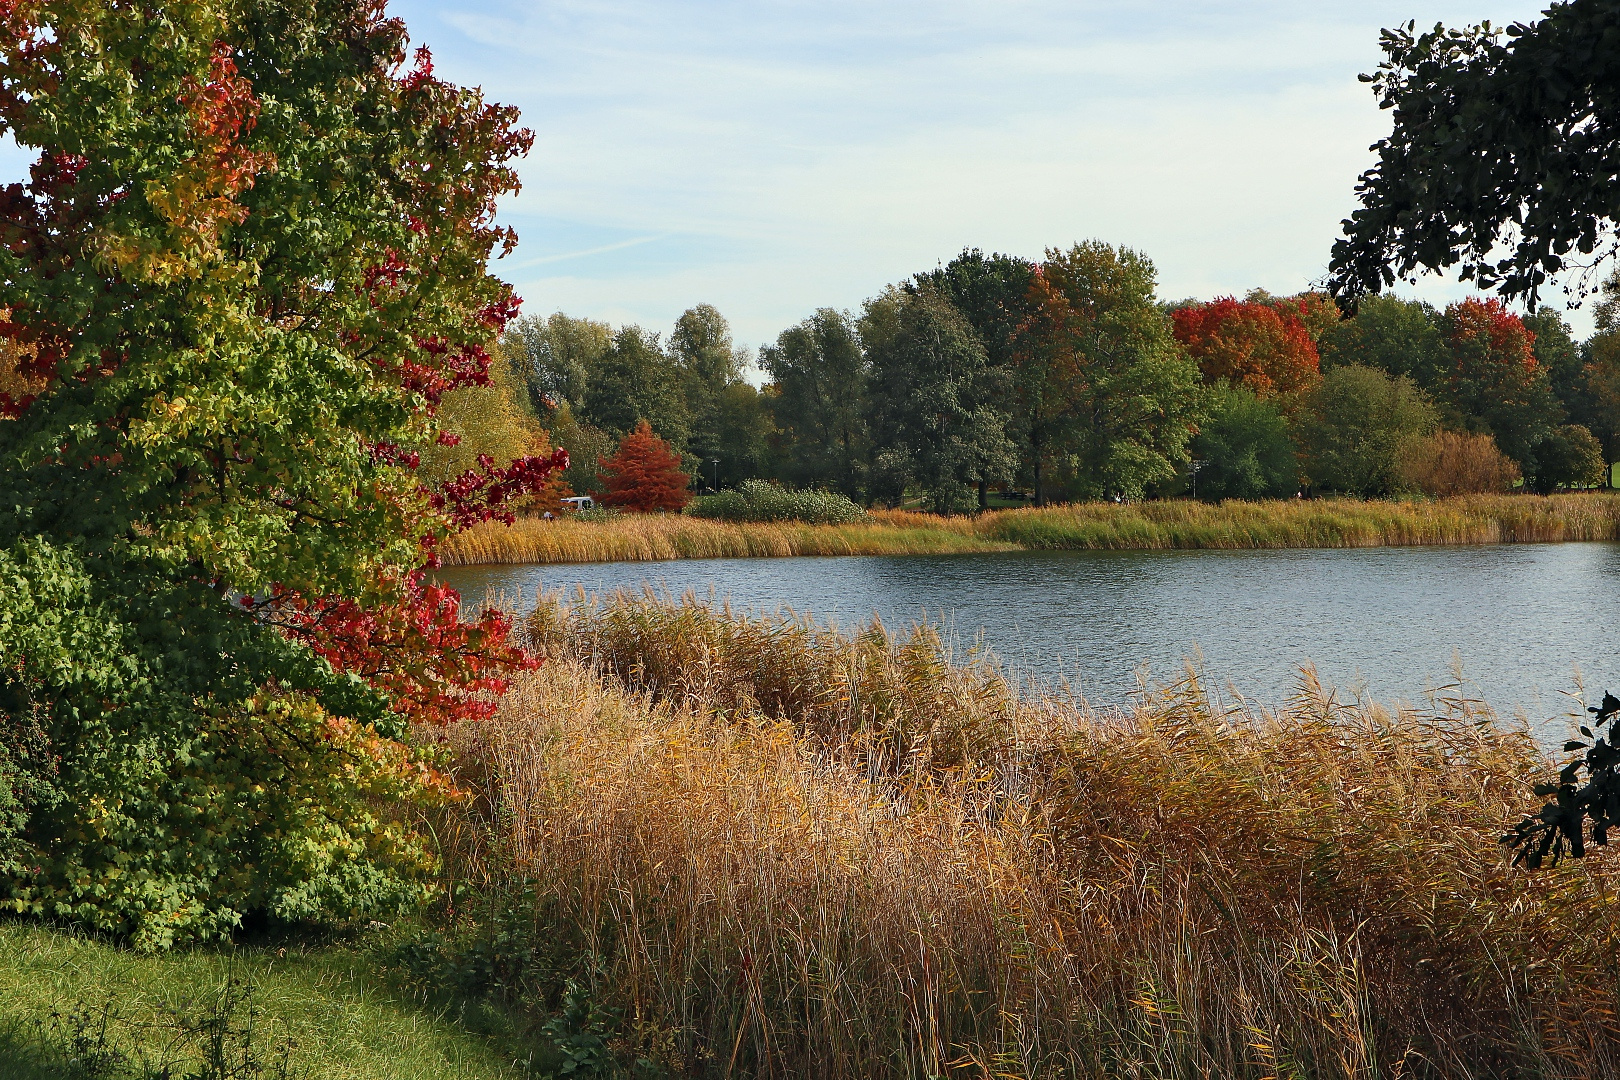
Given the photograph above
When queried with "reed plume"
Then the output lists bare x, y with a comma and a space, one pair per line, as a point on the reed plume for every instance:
794, 852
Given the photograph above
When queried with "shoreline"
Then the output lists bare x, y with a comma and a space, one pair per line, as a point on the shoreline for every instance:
1467, 520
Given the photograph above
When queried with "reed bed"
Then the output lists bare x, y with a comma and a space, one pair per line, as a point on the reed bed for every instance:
1468, 519
654, 537
789, 852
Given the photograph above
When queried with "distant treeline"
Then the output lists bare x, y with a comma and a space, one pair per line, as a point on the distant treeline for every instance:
1069, 378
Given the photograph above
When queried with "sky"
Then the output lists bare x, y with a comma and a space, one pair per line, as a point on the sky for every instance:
772, 157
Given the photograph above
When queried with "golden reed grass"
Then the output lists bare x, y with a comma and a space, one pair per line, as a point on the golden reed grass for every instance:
1468, 519
798, 854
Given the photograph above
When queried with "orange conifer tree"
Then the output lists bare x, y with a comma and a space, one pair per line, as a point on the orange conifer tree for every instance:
644, 475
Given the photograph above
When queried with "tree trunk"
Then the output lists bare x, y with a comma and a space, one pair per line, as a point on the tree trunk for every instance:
984, 496
1040, 489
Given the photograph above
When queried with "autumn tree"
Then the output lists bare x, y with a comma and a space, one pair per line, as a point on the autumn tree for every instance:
644, 474
1495, 383
247, 266
1600, 370
1263, 346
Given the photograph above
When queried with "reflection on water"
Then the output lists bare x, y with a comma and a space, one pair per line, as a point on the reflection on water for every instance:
1390, 622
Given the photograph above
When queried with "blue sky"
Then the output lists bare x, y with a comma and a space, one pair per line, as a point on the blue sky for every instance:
774, 157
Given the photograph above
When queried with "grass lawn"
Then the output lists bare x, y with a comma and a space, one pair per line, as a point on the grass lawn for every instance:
324, 1007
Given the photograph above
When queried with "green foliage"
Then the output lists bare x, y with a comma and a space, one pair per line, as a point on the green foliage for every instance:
757, 500
933, 424
1560, 828
1399, 337
746, 427
820, 376
635, 381
258, 284
1139, 391
1245, 448
1355, 426
556, 356
1570, 457
1496, 144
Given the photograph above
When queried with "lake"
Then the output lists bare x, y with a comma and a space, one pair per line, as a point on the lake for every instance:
1389, 623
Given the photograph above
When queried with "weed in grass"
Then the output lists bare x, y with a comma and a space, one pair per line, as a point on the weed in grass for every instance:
219, 1037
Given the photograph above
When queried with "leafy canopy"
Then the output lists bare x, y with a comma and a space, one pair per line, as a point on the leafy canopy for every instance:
1502, 159
248, 264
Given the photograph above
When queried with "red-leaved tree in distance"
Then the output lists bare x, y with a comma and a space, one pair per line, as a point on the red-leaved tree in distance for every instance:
644, 475
1265, 347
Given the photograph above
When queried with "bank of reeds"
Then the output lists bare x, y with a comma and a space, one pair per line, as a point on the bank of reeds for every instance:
652, 537
787, 852
1288, 523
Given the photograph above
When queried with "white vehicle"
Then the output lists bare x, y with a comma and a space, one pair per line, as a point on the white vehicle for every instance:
579, 502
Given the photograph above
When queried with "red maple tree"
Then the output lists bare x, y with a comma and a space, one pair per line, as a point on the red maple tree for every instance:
644, 475
1265, 347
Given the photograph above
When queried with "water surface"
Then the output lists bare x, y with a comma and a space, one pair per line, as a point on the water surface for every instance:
1390, 623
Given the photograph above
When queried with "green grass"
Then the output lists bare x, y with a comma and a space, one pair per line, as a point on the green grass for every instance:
330, 1003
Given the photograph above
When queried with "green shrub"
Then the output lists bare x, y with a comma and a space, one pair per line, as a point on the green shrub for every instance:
756, 500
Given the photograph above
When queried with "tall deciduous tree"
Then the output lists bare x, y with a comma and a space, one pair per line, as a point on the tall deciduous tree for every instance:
635, 381
1139, 402
249, 262
557, 355
708, 362
933, 425
992, 292
1399, 337
1263, 346
820, 376
1049, 385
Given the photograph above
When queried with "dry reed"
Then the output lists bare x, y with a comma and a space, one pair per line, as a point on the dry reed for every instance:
1471, 519
795, 853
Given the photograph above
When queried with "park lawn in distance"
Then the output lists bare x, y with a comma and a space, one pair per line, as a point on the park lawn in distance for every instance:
330, 1002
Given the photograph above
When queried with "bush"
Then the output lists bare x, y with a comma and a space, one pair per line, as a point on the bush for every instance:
1570, 457
756, 500
1454, 463
1245, 448
1355, 427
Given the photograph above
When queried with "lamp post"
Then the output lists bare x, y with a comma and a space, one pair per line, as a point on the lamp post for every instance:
1192, 467
716, 471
